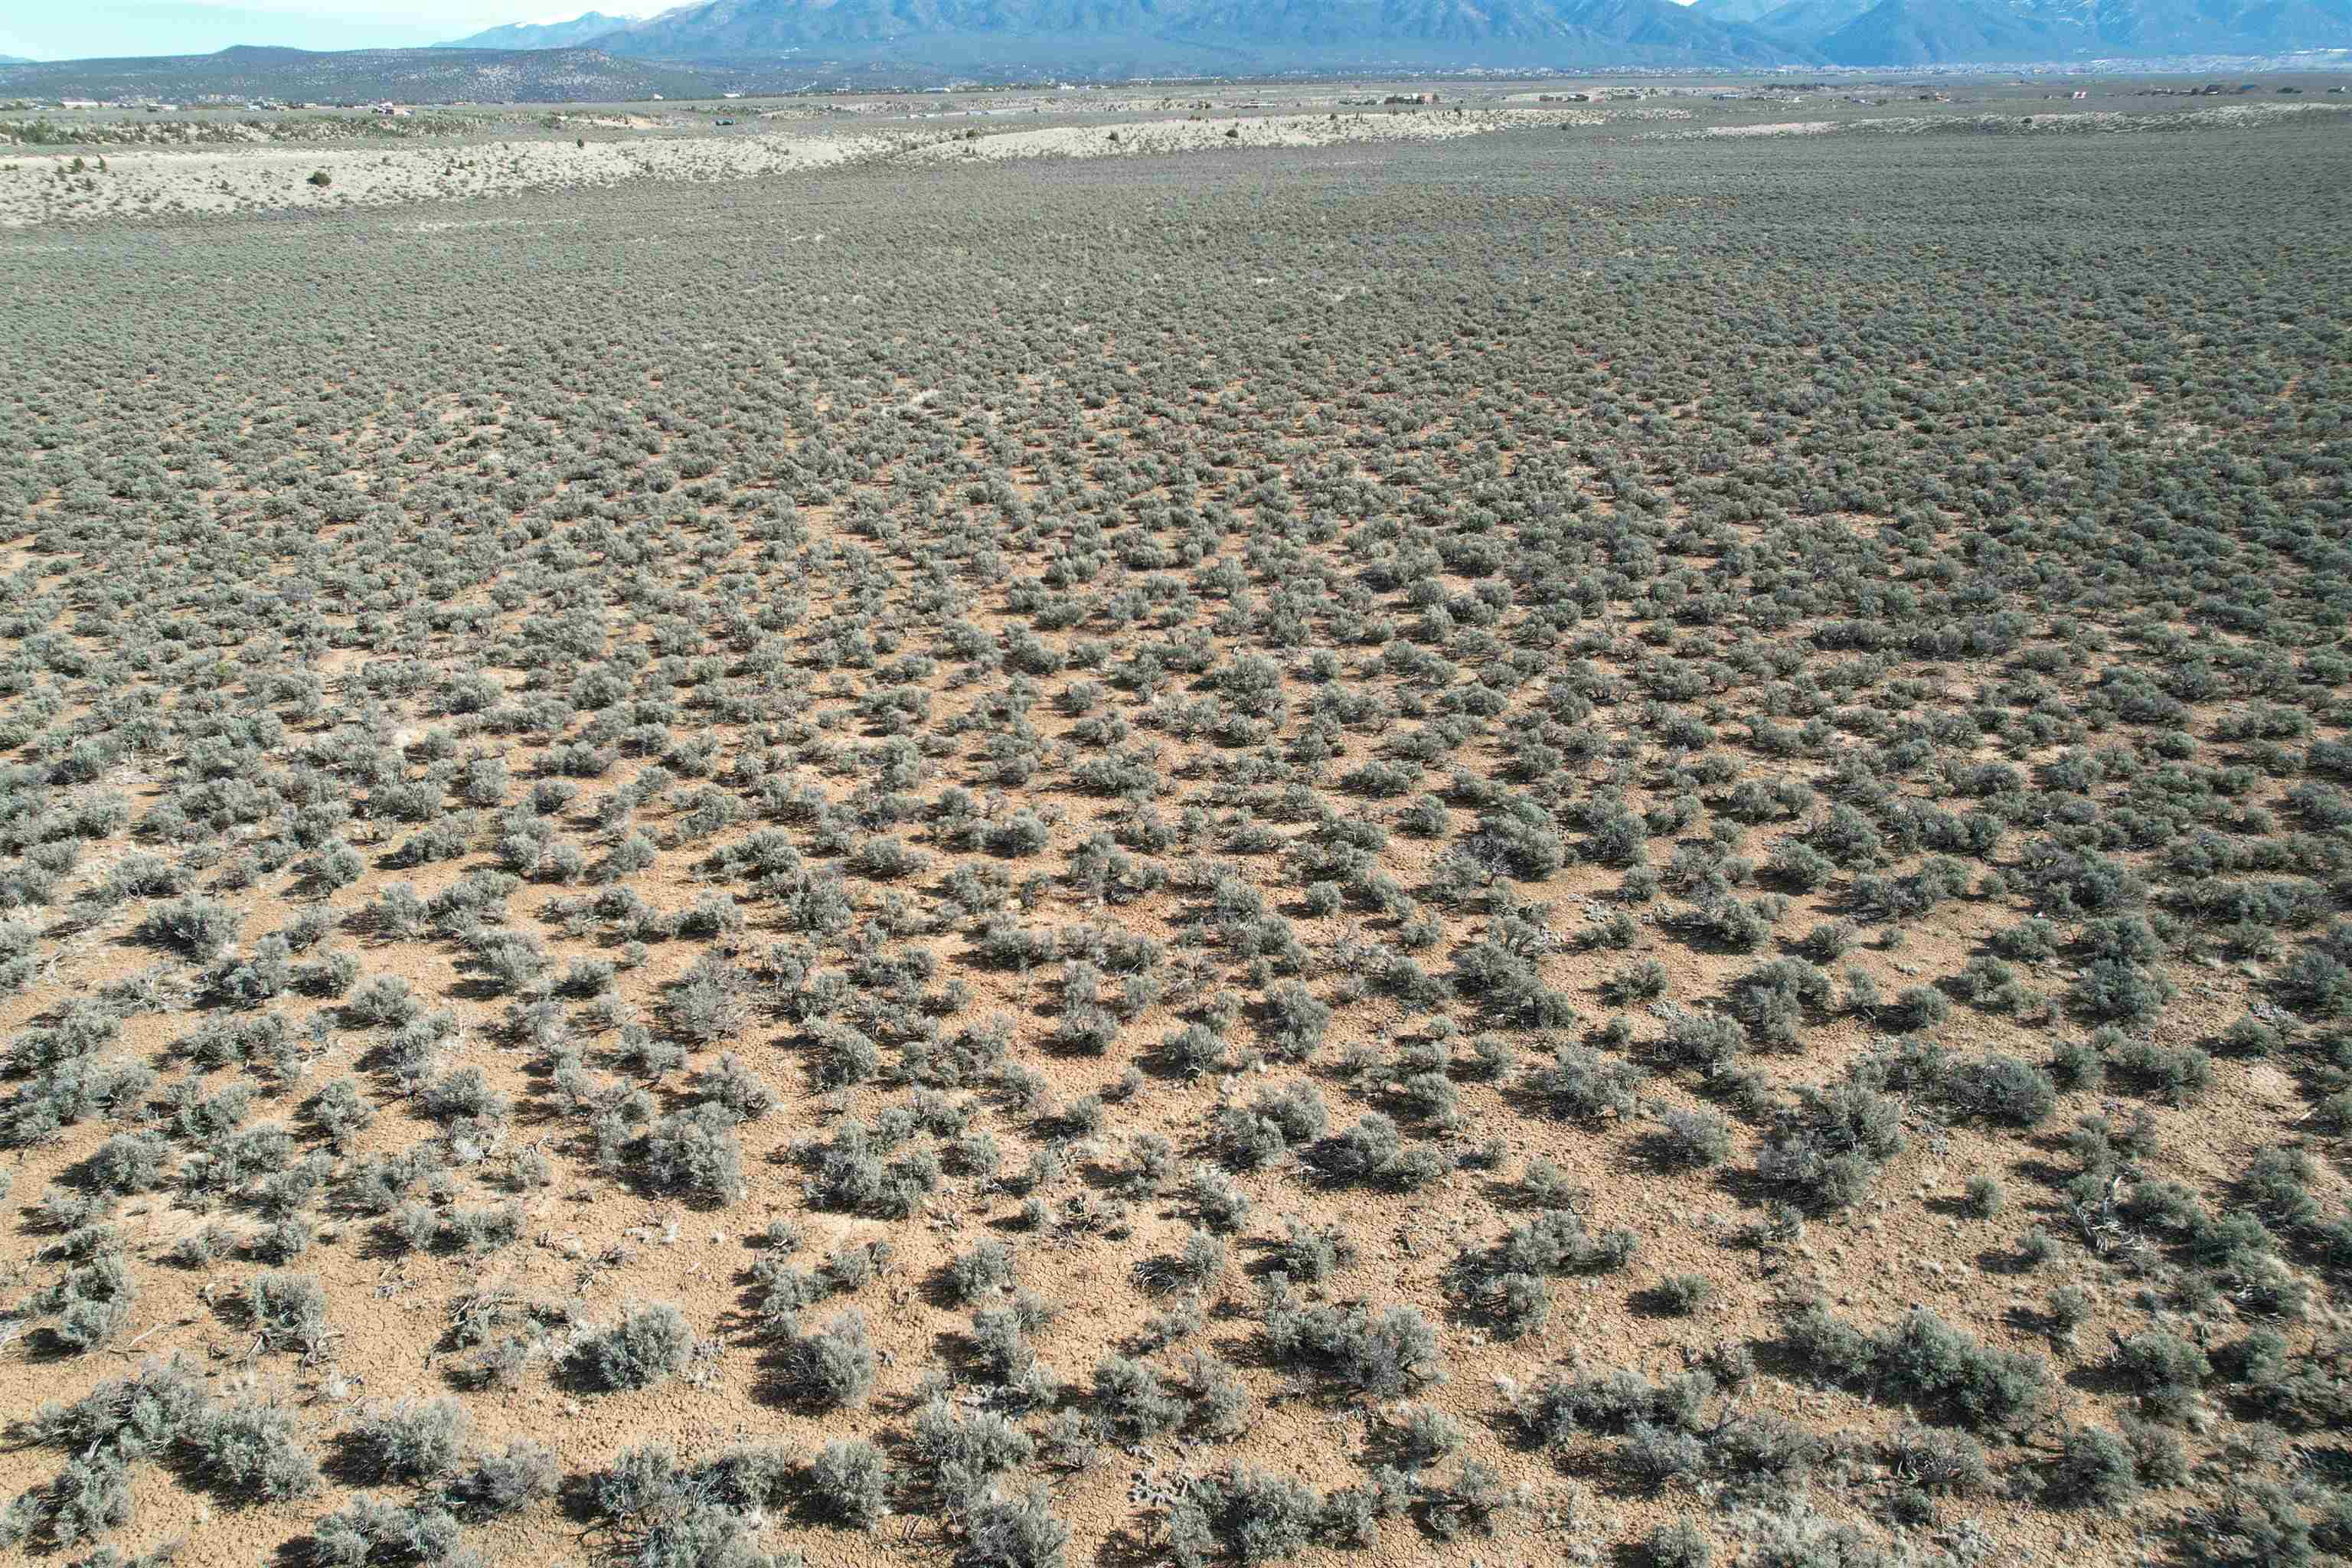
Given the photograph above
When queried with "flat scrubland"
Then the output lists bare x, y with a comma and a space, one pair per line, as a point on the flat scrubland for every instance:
1532, 848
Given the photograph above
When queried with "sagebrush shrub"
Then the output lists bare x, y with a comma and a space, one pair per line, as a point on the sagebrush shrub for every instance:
647, 1345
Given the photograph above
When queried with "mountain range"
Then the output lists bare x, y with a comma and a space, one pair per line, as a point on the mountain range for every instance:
709, 46
579, 30
1170, 36
1233, 35
1945, 32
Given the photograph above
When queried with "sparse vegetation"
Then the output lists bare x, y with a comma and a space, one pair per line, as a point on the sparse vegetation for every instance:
1088, 817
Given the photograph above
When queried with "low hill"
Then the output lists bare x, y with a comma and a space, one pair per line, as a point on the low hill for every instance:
359, 76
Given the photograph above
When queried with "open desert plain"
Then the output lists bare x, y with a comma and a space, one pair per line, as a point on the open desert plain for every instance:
1180, 829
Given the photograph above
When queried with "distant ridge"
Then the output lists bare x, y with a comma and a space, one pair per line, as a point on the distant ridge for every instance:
360, 76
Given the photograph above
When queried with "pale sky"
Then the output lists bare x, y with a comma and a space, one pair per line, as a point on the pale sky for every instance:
50, 30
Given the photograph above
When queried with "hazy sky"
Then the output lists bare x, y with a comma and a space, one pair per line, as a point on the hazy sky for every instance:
80, 29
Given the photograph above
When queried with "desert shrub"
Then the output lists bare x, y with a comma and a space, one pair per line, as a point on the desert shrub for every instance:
1197, 1264
1709, 1041
1129, 1402
1643, 980
411, 1440
2093, 1468
1558, 1410
1580, 1083
87, 1499
697, 1152
1923, 1360
984, 1270
2158, 1457
2317, 984
1999, 1089
662, 1514
1219, 1204
2167, 1371
1680, 1295
385, 1002
1385, 1353
1825, 1149
1294, 1022
339, 1110
1554, 1242
1244, 1140
197, 926
2118, 990
368, 1531
1693, 1140
1314, 1253
1983, 1196
1677, 1544
851, 1482
1657, 1456
1015, 1533
130, 1163
1192, 1050
835, 1368
646, 1346
2169, 1073
1468, 1504
1516, 1303
521, 1475
287, 1311
251, 1449
1246, 1514
1370, 1151
1937, 1462
963, 1453
1420, 1436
